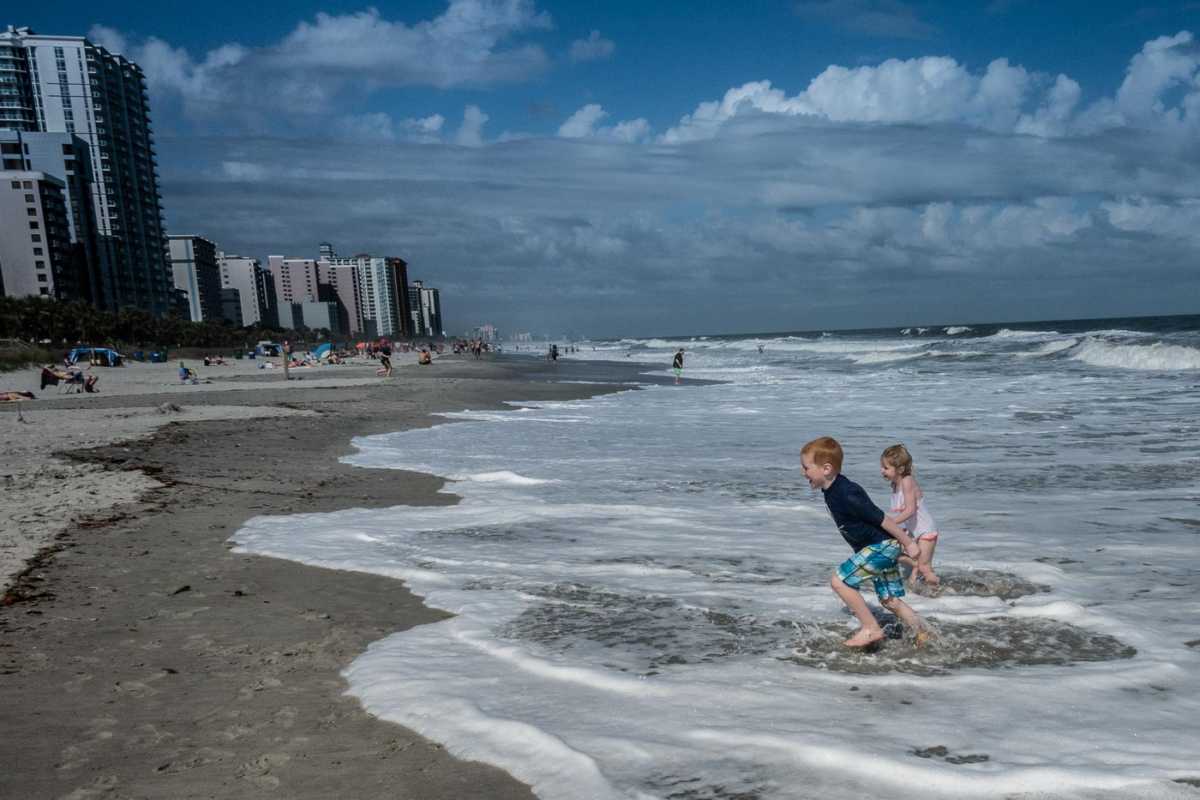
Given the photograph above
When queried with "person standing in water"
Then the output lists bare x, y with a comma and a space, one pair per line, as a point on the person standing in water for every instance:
877, 542
677, 364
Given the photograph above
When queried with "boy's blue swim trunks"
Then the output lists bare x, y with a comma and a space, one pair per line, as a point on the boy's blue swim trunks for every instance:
877, 563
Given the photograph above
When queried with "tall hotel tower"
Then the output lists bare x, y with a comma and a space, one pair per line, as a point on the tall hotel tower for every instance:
53, 84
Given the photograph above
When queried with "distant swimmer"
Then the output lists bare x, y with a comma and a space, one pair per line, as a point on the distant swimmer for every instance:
760, 349
677, 364
876, 539
908, 509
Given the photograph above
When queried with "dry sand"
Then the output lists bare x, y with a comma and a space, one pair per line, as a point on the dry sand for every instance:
140, 658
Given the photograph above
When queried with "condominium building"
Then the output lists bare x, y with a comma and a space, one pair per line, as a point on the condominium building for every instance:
344, 288
231, 306
426, 309
68, 84
195, 271
35, 243
255, 286
296, 279
63, 156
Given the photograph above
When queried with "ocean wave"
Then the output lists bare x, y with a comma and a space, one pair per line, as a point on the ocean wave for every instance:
1157, 356
506, 478
1048, 349
1008, 333
956, 330
885, 357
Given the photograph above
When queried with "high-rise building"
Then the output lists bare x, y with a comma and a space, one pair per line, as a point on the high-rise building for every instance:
68, 84
34, 240
426, 309
344, 288
255, 286
63, 156
231, 306
296, 279
371, 290
195, 271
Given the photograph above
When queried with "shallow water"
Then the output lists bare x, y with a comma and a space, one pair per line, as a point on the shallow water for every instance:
641, 580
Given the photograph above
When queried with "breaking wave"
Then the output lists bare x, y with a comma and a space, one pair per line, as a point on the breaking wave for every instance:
1157, 356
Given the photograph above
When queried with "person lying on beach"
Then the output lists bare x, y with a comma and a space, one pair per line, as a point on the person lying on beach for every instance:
15, 397
187, 375
876, 540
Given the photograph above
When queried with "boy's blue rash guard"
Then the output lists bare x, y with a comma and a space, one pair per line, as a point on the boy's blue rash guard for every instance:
853, 512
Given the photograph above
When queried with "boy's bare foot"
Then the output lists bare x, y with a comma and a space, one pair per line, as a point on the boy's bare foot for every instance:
864, 638
930, 576
922, 638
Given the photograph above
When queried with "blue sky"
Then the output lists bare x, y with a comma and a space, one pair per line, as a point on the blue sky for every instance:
667, 168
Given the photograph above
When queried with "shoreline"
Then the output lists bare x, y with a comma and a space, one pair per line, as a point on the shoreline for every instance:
142, 657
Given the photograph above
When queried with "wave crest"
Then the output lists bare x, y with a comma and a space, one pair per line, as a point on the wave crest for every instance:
1157, 356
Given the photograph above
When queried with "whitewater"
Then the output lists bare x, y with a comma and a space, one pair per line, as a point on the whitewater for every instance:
640, 580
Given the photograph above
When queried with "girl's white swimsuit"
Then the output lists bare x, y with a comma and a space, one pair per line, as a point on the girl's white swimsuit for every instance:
921, 523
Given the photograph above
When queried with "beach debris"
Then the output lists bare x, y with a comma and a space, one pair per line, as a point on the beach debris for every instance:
187, 587
942, 752
169, 408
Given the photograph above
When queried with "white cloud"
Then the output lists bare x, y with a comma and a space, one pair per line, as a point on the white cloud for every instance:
470, 44
583, 125
1003, 99
470, 133
583, 122
870, 182
593, 48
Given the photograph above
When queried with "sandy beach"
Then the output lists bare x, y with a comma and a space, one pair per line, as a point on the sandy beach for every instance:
143, 659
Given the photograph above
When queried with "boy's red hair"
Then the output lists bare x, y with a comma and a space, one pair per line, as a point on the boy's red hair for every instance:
824, 450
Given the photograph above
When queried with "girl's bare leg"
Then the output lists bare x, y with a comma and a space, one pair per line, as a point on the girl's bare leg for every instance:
925, 562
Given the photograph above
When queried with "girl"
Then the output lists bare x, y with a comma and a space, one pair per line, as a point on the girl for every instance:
909, 510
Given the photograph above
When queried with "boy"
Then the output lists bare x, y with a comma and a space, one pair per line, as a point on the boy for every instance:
866, 529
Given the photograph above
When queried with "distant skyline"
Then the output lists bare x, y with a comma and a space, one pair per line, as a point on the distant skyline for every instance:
627, 169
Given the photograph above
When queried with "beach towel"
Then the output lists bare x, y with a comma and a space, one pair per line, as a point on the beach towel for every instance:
49, 378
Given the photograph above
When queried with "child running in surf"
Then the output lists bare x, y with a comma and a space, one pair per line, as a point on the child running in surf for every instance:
909, 510
877, 542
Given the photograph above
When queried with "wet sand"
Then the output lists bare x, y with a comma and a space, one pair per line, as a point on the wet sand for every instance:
140, 658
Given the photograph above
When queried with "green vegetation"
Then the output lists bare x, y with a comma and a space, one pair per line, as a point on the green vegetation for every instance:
34, 329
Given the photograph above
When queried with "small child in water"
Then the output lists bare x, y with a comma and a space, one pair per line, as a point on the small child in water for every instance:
909, 510
876, 540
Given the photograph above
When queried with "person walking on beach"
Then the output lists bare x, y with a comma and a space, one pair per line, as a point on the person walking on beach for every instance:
677, 364
909, 511
876, 540
385, 360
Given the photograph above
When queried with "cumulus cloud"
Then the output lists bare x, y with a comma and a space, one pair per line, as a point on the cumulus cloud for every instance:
919, 179
583, 124
472, 43
380, 126
470, 133
1161, 91
593, 48
883, 18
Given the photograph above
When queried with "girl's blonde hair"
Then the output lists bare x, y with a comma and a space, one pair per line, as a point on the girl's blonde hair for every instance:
898, 456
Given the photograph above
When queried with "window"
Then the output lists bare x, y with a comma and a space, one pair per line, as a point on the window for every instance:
39, 264
26, 184
33, 226
28, 197
41, 277
44, 291
35, 237
16, 184
37, 251
31, 212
